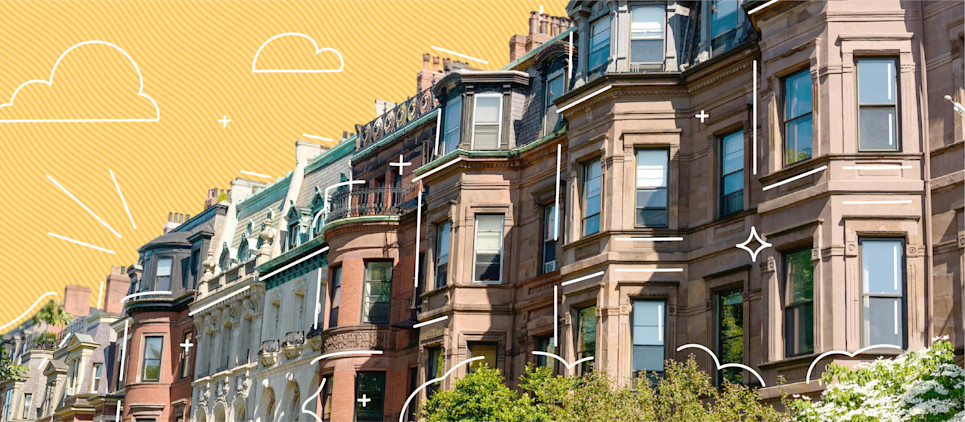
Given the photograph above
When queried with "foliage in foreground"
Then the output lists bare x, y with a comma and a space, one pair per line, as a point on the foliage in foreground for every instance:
52, 313
684, 394
919, 386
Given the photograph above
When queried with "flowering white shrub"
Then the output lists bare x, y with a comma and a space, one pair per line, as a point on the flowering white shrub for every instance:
926, 385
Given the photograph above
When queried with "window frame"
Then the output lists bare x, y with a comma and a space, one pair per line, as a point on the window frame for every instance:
896, 80
327, 397
608, 48
96, 375
364, 317
358, 385
144, 357
581, 352
902, 314
457, 129
335, 295
662, 331
476, 364
719, 314
157, 272
550, 216
663, 33
437, 265
784, 119
27, 403
722, 212
293, 235
499, 119
788, 306
584, 166
476, 250
637, 188
549, 107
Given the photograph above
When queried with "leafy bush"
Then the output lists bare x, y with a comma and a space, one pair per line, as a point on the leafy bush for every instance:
919, 386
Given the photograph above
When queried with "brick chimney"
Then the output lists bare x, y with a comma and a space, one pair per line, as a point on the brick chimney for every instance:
212, 198
175, 219
430, 72
542, 28
115, 288
77, 300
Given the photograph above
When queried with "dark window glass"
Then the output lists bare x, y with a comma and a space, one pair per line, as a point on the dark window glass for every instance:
378, 289
882, 286
587, 337
652, 187
732, 173
730, 334
877, 105
592, 198
544, 344
152, 358
164, 274
599, 45
433, 369
370, 396
554, 88
451, 130
327, 398
799, 308
336, 293
797, 117
550, 241
442, 253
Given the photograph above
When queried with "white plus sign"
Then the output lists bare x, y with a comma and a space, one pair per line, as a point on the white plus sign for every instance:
401, 164
702, 116
224, 121
364, 400
187, 346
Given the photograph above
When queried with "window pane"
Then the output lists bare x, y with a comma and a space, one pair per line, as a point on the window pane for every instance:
652, 198
442, 243
732, 148
453, 118
378, 270
883, 321
882, 265
800, 277
733, 182
799, 330
370, 388
647, 22
877, 128
591, 225
876, 81
486, 350
487, 267
732, 203
730, 330
487, 109
164, 267
648, 358
798, 133
797, 95
651, 168
648, 335
599, 43
485, 137
724, 17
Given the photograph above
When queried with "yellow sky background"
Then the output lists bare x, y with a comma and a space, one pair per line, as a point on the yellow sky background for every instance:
195, 60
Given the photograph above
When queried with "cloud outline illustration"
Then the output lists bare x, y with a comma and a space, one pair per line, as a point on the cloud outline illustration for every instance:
254, 61
50, 82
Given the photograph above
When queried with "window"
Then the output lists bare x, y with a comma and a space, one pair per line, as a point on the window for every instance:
27, 403
487, 351
95, 379
442, 253
652, 187
336, 296
544, 344
450, 141
646, 33
732, 173
195, 266
550, 234
883, 282
592, 200
433, 369
370, 393
378, 288
723, 20
599, 45
163, 274
486, 121
648, 337
293, 236
730, 334
554, 88
797, 117
877, 105
587, 337
186, 355
152, 358
799, 308
7, 398
413, 384
327, 399
489, 249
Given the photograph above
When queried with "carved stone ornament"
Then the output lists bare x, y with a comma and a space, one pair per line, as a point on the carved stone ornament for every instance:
221, 388
242, 385
365, 340
267, 237
203, 395
209, 264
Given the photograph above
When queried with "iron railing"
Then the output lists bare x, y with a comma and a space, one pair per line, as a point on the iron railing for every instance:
397, 118
362, 202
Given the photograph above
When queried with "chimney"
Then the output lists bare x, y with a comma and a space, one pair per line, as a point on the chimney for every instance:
306, 151
427, 77
542, 28
212, 198
77, 300
115, 288
174, 220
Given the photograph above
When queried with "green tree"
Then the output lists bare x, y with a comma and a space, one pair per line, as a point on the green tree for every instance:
52, 313
480, 396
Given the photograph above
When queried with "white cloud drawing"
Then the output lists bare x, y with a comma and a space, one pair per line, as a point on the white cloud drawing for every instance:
254, 62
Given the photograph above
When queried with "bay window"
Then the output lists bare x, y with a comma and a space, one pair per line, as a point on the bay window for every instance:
882, 288
151, 366
592, 199
799, 303
649, 342
487, 267
877, 105
797, 117
647, 25
486, 121
652, 187
378, 288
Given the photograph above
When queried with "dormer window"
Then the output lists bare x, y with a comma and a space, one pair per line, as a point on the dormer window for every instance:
723, 21
450, 141
554, 88
163, 278
486, 121
646, 33
599, 44
293, 235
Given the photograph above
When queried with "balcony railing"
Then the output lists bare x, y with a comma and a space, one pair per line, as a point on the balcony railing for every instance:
395, 119
362, 202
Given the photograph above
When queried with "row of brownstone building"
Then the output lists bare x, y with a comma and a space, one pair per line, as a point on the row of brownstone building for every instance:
586, 200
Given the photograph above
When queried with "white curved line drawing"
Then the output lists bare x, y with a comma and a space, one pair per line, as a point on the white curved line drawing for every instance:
329, 189
28, 310
341, 60
726, 365
123, 201
62, 237
431, 321
82, 205
850, 355
321, 385
557, 357
50, 82
148, 293
432, 381
62, 342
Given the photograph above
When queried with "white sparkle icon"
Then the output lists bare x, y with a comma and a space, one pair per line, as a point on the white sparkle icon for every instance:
754, 237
